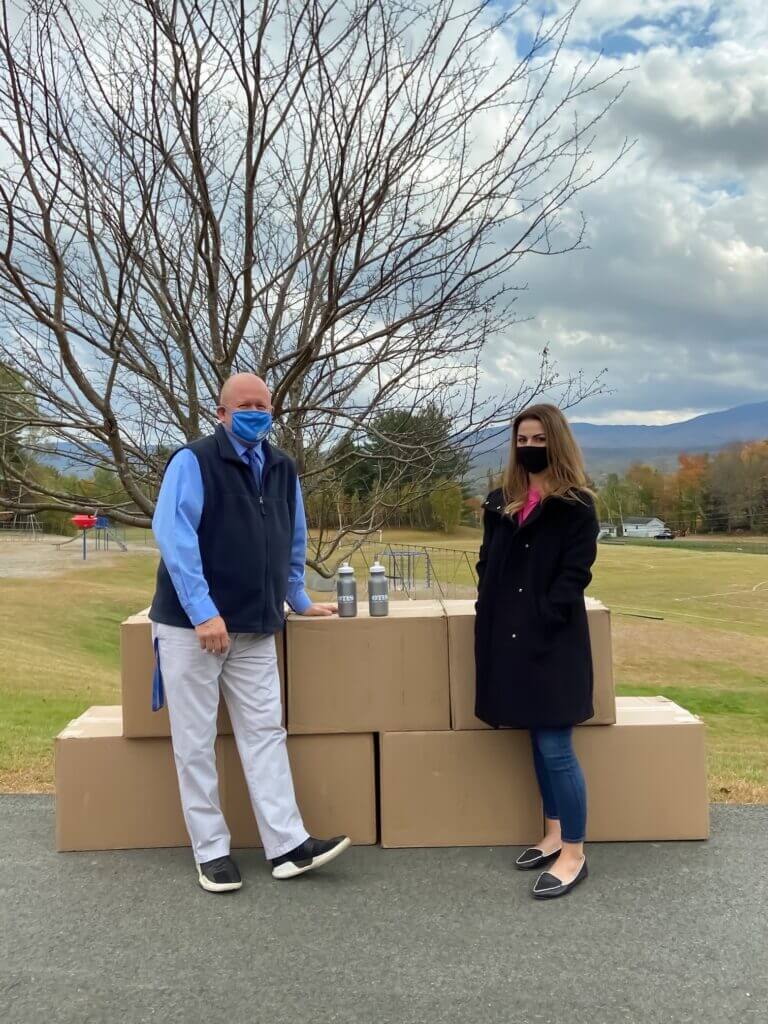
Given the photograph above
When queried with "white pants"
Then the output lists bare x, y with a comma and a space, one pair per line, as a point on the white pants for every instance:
250, 683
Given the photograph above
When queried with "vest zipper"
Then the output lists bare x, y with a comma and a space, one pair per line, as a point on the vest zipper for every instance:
264, 512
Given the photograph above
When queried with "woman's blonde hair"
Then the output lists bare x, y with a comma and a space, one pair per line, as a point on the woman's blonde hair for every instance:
567, 473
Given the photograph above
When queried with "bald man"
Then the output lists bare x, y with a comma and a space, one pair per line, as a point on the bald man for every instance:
230, 526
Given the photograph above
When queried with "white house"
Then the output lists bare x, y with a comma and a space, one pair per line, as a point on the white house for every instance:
643, 526
608, 530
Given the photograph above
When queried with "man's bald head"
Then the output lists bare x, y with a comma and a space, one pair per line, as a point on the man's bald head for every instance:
245, 387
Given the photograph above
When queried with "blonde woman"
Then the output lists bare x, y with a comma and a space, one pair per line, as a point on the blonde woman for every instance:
534, 663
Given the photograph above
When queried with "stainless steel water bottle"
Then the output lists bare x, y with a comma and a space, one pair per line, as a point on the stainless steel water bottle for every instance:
378, 590
346, 591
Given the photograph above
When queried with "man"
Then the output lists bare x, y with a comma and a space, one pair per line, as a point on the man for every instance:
231, 530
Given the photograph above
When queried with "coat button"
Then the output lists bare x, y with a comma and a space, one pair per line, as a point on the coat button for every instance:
519, 590
514, 636
527, 545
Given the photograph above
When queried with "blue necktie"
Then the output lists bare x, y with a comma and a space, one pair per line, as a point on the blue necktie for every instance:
254, 458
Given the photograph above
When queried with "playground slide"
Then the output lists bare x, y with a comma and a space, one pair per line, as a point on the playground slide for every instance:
104, 530
62, 543
113, 537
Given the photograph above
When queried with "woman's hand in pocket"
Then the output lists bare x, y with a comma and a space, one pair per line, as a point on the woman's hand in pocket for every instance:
554, 614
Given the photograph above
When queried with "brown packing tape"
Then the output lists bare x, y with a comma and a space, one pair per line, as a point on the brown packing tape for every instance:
461, 647
653, 705
363, 675
108, 717
137, 665
115, 793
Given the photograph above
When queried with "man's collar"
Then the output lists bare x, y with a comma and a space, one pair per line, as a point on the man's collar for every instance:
240, 448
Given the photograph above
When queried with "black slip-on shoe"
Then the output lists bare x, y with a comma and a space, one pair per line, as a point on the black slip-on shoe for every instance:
219, 875
548, 887
534, 858
312, 853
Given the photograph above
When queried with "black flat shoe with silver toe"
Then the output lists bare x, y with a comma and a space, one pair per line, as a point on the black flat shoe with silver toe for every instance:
533, 858
548, 887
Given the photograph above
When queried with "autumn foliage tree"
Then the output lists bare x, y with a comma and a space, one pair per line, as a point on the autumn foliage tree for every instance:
712, 493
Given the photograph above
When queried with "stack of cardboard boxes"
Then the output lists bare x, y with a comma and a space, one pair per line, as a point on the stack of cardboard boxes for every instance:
116, 785
384, 746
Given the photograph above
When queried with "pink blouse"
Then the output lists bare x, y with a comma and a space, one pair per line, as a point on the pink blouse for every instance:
531, 502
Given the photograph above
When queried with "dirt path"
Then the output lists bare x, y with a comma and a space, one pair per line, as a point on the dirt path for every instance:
51, 555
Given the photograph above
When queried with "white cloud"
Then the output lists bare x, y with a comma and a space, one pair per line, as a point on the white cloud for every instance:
596, 19
741, 20
671, 296
646, 417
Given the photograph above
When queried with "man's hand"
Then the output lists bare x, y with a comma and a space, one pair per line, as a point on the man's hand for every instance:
213, 636
321, 609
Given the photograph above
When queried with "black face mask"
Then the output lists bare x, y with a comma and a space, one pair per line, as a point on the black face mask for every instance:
533, 458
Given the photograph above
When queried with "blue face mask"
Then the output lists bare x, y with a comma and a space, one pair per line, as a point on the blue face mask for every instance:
251, 426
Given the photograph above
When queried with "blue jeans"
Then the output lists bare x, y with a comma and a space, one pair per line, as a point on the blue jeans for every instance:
561, 781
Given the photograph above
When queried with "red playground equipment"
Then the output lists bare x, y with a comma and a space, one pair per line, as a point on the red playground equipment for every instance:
85, 523
102, 529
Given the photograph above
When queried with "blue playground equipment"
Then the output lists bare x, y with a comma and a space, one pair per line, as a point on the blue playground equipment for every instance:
103, 532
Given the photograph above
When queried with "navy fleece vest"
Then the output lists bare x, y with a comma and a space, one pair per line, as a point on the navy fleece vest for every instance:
245, 537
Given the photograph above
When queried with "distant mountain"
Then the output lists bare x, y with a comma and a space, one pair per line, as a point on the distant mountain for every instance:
67, 458
607, 448
708, 432
612, 449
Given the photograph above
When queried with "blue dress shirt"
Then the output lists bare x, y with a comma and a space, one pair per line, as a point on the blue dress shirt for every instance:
177, 517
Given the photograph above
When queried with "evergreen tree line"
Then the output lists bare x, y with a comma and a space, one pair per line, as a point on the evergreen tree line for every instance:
416, 492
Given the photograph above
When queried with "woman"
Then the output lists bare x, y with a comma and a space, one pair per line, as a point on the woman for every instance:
534, 663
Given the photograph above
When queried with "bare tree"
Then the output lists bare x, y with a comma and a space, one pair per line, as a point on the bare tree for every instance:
332, 194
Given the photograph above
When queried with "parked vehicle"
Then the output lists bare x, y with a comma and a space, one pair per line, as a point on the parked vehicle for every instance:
665, 535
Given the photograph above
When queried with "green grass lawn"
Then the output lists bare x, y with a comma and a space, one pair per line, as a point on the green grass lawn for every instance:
60, 653
688, 624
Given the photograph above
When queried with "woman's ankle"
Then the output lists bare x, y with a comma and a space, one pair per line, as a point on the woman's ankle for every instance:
572, 852
551, 840
552, 829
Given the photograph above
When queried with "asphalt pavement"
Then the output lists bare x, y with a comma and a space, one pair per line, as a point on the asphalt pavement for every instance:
660, 932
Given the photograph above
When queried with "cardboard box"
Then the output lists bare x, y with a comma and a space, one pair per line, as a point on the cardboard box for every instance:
113, 793
116, 793
646, 780
365, 674
461, 648
458, 789
335, 782
646, 775
137, 665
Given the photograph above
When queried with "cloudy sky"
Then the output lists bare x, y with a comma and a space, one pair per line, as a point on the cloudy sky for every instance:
672, 294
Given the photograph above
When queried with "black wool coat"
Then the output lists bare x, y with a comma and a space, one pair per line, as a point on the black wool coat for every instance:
532, 649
